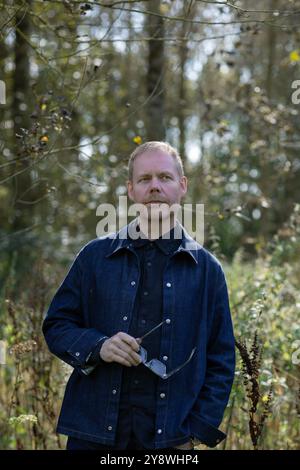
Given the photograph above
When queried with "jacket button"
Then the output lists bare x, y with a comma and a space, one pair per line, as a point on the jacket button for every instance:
165, 358
109, 428
114, 391
132, 283
168, 284
162, 395
125, 318
168, 321
77, 354
159, 431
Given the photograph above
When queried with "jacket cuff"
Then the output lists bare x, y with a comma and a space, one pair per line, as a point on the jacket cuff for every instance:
81, 349
204, 431
94, 357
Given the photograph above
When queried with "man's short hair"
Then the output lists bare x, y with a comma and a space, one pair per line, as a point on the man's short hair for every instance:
155, 145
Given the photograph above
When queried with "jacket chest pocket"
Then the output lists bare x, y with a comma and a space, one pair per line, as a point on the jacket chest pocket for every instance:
110, 313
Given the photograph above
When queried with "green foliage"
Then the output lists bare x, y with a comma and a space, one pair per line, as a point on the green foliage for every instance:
265, 302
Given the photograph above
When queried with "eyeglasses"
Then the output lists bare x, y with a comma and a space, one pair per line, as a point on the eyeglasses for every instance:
156, 366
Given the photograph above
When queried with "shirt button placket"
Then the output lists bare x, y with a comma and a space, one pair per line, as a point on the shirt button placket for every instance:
162, 395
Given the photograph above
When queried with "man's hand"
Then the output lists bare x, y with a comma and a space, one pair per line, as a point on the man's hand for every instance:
121, 348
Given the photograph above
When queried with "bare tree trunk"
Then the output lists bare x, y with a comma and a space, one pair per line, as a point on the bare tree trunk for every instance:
271, 54
20, 116
155, 77
186, 28
21, 214
21, 74
182, 99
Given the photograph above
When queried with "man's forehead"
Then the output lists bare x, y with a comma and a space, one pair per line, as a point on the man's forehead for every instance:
155, 161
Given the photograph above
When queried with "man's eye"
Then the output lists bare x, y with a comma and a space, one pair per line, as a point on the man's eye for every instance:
166, 177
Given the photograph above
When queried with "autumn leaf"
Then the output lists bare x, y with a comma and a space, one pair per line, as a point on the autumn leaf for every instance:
164, 9
294, 56
137, 140
44, 139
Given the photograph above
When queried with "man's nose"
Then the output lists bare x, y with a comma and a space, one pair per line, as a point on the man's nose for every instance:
154, 185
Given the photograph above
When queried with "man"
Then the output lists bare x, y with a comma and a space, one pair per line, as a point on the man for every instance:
143, 317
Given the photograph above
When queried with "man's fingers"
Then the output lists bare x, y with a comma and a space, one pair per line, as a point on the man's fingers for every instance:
129, 340
121, 360
126, 353
121, 348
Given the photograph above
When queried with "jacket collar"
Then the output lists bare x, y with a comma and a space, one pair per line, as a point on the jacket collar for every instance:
121, 240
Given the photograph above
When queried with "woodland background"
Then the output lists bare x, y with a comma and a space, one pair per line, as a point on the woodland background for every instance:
85, 83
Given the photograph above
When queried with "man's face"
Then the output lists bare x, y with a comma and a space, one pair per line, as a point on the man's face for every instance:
156, 180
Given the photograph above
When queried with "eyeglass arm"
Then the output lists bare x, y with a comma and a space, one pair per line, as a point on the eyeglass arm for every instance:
153, 329
166, 376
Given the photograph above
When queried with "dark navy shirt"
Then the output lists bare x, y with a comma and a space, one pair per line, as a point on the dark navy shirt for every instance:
138, 391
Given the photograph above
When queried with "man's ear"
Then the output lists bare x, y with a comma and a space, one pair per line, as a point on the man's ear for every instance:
129, 189
184, 184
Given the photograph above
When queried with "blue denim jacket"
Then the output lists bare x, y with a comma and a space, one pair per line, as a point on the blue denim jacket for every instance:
96, 300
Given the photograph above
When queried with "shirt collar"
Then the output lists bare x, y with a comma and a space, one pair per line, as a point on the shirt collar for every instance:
167, 244
122, 240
